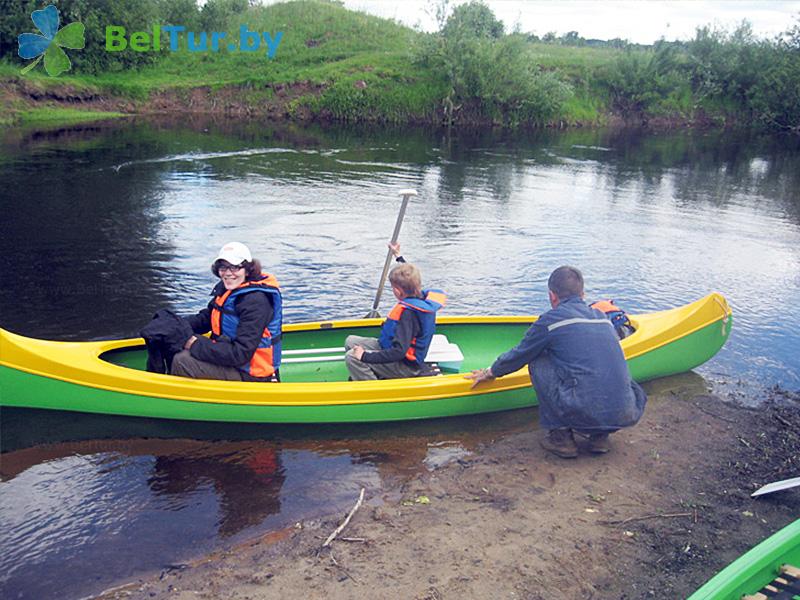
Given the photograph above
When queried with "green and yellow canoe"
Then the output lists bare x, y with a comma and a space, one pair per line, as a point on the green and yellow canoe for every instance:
108, 377
769, 570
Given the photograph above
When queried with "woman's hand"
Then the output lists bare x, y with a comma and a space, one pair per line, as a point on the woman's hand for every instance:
189, 342
395, 248
358, 351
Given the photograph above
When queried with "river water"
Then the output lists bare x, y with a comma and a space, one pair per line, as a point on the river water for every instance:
105, 224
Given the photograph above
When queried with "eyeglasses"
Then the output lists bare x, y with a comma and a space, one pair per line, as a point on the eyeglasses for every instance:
222, 268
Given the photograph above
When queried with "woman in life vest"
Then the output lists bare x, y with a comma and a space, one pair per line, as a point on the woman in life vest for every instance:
405, 335
244, 317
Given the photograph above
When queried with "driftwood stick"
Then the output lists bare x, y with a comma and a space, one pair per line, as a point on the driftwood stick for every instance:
341, 527
645, 517
341, 568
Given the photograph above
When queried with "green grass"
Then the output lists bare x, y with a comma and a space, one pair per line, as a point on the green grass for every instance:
573, 61
352, 66
322, 43
584, 109
65, 115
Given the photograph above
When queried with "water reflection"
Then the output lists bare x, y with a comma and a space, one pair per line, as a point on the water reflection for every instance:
247, 481
133, 504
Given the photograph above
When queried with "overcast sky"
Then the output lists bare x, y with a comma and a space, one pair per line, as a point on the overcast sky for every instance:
642, 21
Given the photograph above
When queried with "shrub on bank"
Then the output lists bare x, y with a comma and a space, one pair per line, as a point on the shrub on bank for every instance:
760, 79
488, 75
645, 82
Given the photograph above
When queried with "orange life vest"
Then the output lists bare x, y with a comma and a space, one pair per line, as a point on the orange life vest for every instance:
426, 312
618, 317
225, 321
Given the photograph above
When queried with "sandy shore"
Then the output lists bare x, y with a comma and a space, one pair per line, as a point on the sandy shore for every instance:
663, 511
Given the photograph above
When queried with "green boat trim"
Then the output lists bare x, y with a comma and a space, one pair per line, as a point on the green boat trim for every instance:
109, 378
756, 568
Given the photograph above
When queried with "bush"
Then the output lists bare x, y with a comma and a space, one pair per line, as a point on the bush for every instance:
472, 20
488, 74
180, 12
215, 14
759, 78
725, 65
134, 15
774, 98
638, 81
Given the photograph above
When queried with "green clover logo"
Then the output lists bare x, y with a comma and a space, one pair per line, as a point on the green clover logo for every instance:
33, 45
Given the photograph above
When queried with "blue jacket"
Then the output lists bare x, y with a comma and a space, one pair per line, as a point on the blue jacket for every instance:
267, 357
578, 370
246, 329
425, 309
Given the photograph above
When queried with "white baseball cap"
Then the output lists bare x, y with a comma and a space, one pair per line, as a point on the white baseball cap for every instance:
235, 253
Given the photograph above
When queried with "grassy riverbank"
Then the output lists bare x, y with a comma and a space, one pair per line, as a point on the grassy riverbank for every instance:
331, 62
42, 115
337, 64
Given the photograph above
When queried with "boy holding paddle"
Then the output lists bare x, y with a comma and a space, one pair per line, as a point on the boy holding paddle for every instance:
405, 334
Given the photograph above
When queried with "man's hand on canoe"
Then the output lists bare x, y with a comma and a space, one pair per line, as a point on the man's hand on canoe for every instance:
480, 376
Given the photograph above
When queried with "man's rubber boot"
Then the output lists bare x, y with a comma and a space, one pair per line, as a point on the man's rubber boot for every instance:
598, 443
561, 443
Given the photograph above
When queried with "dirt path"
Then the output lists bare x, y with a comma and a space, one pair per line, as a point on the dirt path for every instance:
667, 508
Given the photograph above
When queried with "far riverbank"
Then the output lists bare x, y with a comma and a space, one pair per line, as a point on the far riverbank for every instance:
331, 64
30, 103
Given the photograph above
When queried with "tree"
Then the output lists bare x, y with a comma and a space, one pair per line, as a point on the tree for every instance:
572, 38
180, 12
16, 20
475, 20
488, 74
791, 37
216, 14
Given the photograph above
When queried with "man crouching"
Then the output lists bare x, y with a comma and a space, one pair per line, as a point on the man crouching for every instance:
577, 368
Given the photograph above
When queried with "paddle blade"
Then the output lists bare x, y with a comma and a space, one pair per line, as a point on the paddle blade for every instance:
373, 314
777, 486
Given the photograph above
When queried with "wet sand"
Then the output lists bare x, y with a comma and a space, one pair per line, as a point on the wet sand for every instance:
663, 511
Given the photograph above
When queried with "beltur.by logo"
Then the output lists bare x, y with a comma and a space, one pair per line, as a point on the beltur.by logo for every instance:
49, 45
144, 41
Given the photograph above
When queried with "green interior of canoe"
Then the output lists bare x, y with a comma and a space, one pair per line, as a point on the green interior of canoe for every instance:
756, 568
479, 343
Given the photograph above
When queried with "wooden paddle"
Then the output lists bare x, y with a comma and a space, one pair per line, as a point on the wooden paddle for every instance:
406, 194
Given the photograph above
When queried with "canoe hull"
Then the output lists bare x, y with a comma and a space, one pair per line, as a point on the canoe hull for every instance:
754, 569
59, 395
71, 376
